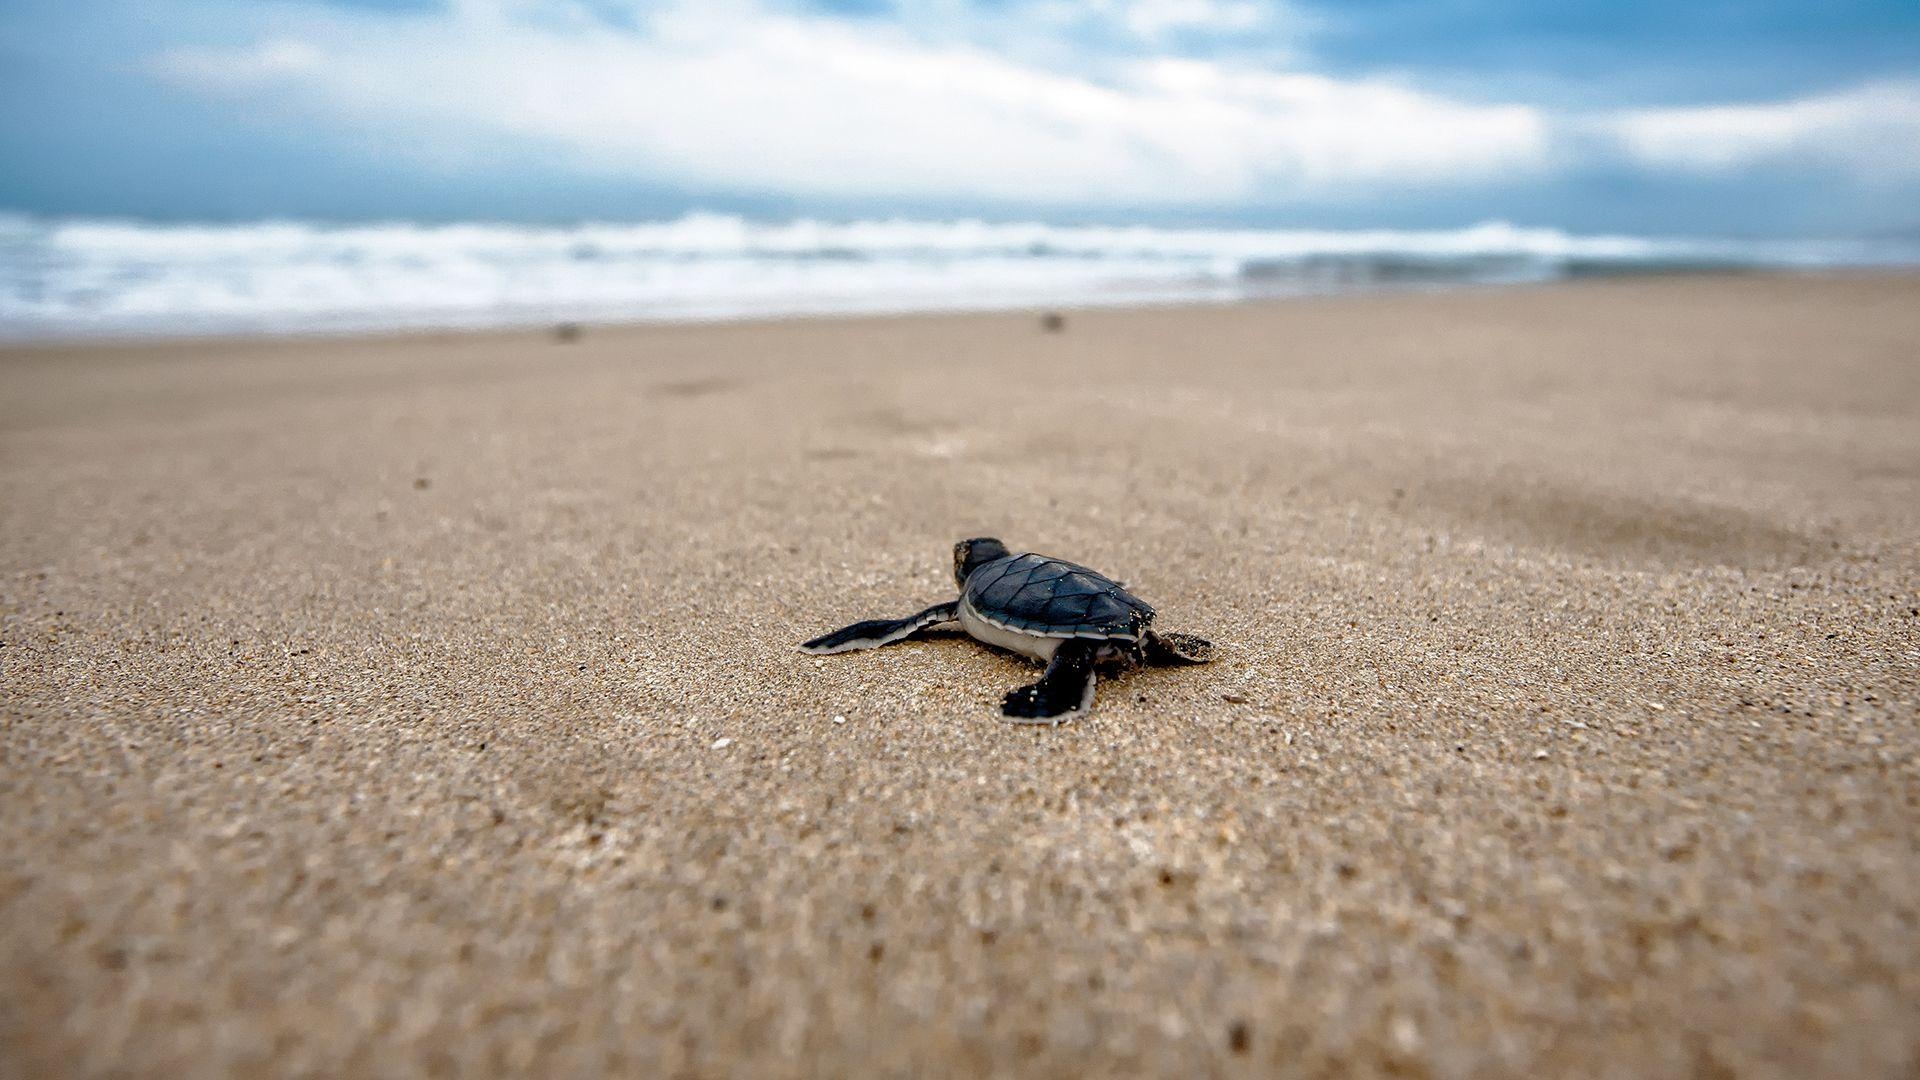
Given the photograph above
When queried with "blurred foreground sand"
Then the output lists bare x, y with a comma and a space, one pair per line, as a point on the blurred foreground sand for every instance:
363, 700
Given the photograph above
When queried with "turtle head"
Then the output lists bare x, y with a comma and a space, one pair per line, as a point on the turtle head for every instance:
970, 555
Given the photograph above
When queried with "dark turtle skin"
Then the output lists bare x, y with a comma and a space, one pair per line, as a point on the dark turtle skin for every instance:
1075, 619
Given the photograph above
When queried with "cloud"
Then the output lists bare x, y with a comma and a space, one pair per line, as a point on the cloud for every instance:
739, 97
767, 97
229, 69
1872, 132
1154, 19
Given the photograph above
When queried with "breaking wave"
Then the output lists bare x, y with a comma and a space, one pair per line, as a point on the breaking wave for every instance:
78, 277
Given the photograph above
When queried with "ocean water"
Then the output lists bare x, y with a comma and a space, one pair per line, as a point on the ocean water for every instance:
74, 278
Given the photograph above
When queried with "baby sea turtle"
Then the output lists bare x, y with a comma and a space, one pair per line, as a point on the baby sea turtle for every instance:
1065, 614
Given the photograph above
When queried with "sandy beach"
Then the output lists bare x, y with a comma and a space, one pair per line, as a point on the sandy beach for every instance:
430, 704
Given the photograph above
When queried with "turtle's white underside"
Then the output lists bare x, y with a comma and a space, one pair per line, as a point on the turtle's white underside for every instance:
1025, 642
980, 628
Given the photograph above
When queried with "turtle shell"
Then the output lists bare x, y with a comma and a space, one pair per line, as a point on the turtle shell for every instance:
1054, 598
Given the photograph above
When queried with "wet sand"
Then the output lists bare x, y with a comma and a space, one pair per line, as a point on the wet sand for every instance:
430, 704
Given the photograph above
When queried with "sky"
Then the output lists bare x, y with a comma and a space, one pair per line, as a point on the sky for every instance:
1720, 118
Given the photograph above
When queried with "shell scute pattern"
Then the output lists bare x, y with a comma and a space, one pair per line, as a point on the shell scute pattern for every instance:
1039, 595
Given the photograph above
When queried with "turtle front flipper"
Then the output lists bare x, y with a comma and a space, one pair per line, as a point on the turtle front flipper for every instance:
1170, 649
877, 632
1067, 687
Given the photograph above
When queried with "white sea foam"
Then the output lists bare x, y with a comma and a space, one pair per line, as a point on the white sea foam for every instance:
72, 277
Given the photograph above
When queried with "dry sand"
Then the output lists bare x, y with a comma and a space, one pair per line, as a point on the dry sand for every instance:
431, 705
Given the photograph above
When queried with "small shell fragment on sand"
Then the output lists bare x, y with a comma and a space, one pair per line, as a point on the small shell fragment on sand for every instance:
722, 744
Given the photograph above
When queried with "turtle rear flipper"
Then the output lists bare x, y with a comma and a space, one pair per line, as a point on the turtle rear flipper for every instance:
1171, 649
1067, 687
877, 632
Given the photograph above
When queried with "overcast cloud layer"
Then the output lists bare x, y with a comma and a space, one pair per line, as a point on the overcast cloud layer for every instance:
1123, 106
